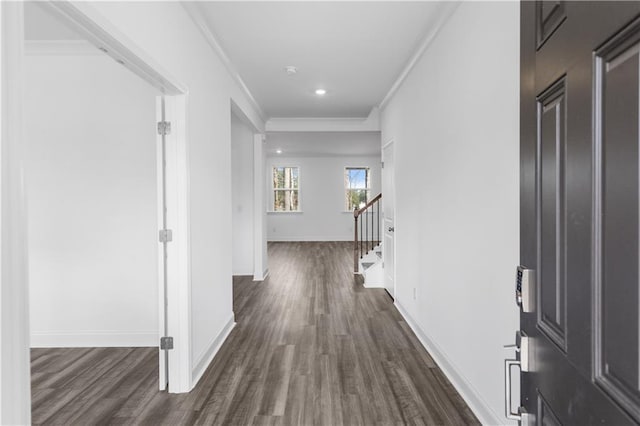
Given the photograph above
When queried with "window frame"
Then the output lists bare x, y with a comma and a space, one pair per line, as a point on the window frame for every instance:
274, 189
345, 188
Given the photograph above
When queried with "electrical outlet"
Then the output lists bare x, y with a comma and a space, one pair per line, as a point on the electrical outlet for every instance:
415, 293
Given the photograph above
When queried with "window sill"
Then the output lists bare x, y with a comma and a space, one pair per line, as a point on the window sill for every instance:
287, 212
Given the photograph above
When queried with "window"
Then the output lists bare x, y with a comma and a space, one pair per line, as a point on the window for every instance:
286, 189
357, 187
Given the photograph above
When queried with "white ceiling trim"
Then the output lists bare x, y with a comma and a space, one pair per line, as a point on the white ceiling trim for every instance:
448, 11
196, 15
320, 155
60, 48
322, 124
84, 19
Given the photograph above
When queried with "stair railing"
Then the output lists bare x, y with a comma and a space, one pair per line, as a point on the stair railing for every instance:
369, 237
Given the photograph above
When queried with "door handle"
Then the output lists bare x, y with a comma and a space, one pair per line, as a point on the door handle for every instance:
509, 413
392, 229
522, 347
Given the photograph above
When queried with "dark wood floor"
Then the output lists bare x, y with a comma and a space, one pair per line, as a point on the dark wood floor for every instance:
311, 347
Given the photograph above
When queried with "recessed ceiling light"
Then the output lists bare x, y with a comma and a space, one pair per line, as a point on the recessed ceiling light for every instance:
291, 70
278, 151
320, 92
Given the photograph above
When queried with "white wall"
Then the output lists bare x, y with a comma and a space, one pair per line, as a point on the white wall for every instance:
242, 197
91, 169
454, 121
323, 216
166, 34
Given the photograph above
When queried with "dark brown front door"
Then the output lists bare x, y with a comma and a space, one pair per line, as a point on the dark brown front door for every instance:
580, 185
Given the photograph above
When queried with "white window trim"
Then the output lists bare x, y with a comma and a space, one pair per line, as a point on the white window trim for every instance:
272, 190
344, 188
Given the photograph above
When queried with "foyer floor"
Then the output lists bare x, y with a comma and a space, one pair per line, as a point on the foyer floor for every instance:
311, 347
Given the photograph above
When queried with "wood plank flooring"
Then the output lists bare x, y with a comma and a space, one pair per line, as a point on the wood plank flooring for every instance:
311, 347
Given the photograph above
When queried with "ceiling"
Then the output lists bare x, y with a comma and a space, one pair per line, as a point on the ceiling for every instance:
353, 50
323, 144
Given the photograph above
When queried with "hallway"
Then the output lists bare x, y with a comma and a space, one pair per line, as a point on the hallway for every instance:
311, 346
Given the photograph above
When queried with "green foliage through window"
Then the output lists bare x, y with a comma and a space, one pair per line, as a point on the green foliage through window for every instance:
357, 184
286, 187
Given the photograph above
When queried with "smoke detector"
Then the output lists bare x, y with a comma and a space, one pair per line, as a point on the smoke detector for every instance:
291, 70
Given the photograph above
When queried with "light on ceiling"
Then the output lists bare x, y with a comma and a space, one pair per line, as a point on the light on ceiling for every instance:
278, 151
320, 92
291, 70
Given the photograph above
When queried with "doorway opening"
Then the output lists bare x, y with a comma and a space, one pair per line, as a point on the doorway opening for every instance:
94, 273
170, 156
246, 218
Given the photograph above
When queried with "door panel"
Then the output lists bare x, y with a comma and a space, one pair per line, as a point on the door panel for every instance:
388, 199
580, 197
617, 86
551, 131
545, 413
389, 257
549, 16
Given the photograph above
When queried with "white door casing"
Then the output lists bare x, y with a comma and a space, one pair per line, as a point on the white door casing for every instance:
177, 306
15, 389
388, 206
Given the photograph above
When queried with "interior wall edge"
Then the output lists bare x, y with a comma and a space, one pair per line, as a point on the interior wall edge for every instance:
204, 359
15, 385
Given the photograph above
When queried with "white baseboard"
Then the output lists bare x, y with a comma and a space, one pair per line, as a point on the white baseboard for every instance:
265, 274
94, 339
207, 356
306, 238
372, 285
471, 396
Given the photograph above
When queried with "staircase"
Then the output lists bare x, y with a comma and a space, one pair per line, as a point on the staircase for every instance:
367, 243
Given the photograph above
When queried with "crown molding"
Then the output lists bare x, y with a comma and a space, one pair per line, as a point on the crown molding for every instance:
60, 48
448, 10
328, 124
197, 16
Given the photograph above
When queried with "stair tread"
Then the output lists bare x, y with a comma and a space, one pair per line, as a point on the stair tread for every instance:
367, 265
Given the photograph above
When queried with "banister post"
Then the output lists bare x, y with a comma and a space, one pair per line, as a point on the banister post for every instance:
355, 242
